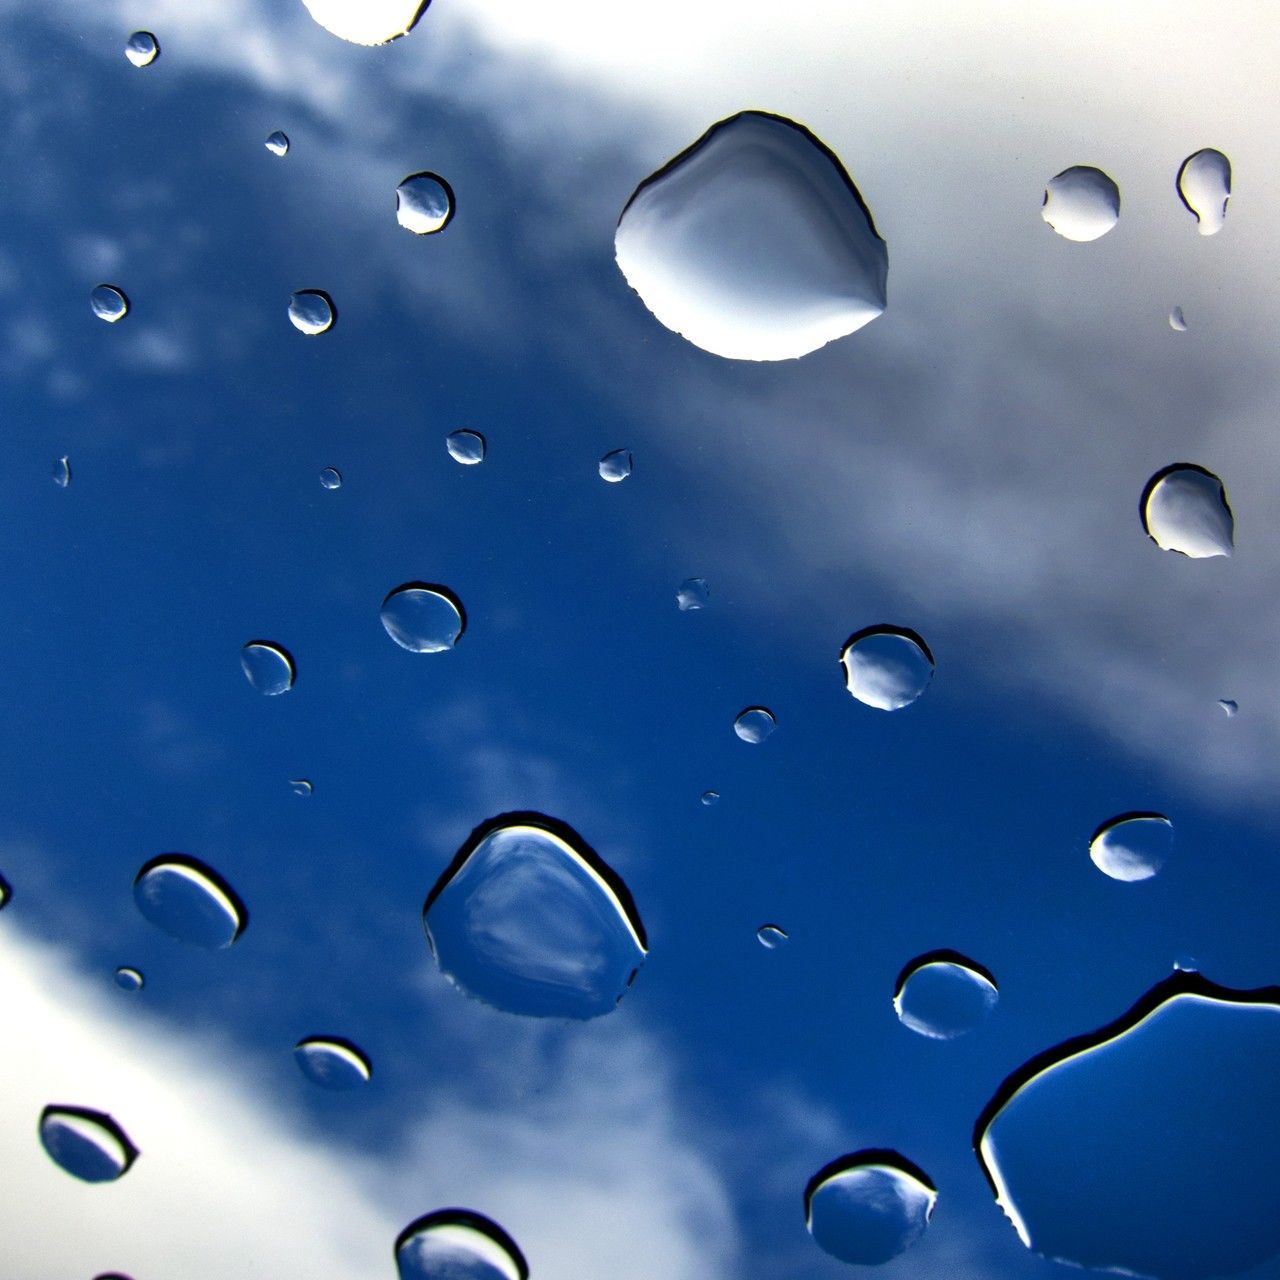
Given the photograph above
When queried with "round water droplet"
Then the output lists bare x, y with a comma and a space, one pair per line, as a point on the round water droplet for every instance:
1204, 186
109, 303
1081, 203
1185, 509
367, 22
189, 901
868, 1207
332, 1063
1177, 321
755, 724
530, 919
771, 936
886, 667
128, 979
693, 594
754, 243
1133, 846
710, 797
311, 311
456, 1244
943, 995
142, 48
277, 143
1229, 706
616, 465
423, 617
466, 447
62, 472
89, 1145
300, 786
331, 478
424, 203
268, 667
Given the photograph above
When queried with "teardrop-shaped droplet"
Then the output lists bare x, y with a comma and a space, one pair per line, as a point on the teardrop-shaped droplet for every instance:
466, 447
268, 667
109, 303
300, 786
142, 48
189, 901
423, 617
424, 203
332, 1062
367, 22
755, 724
1133, 846
278, 143
693, 593
710, 797
1229, 706
530, 919
886, 667
754, 243
89, 1145
1177, 321
311, 311
331, 478
1081, 203
129, 979
943, 995
1185, 509
62, 471
616, 465
868, 1207
456, 1244
1149, 1147
771, 936
1204, 185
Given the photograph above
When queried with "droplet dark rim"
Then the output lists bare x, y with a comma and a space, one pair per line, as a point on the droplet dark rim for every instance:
99, 1118
409, 26
202, 869
1182, 168
888, 629
943, 955
1132, 816
868, 1156
448, 190
464, 1218
116, 289
343, 1043
1165, 472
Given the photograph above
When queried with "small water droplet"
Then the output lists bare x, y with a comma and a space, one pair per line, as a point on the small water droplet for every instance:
6, 893
424, 203
1204, 186
943, 995
109, 303
1133, 846
423, 617
367, 22
62, 472
456, 1244
616, 465
89, 1145
466, 447
277, 143
142, 48
300, 786
1185, 509
868, 1207
1081, 203
1186, 964
771, 936
268, 667
1177, 321
189, 901
710, 797
129, 979
754, 724
331, 478
311, 311
1229, 706
332, 1062
886, 667
693, 593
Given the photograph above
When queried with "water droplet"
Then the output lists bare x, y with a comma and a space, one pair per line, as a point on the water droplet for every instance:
62, 472
142, 48
771, 936
1148, 1147
886, 667
331, 478
616, 465
868, 1207
1185, 509
710, 797
89, 1145
1186, 964
466, 447
1204, 186
424, 203
129, 979
278, 143
1177, 321
332, 1062
268, 667
755, 724
189, 901
1081, 203
943, 995
693, 594
423, 617
311, 311
1133, 846
109, 303
754, 243
367, 22
456, 1244
6, 893
530, 919
1229, 705
301, 787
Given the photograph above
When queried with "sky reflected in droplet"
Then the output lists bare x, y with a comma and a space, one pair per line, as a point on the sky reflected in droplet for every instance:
268, 667
1185, 509
1133, 846
88, 1144
189, 901
332, 1062
311, 311
457, 1244
424, 203
423, 617
868, 1207
1204, 186
1081, 203
943, 995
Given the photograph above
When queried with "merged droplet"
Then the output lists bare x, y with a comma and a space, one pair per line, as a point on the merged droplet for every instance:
710, 797
1149, 1147
423, 617
754, 243
1185, 509
616, 465
868, 1207
886, 667
1204, 186
129, 979
1133, 846
1177, 321
771, 936
1081, 203
311, 311
367, 22
332, 1062
277, 143
331, 478
300, 786
424, 203
89, 1145
755, 724
466, 447
62, 471
268, 667
1229, 705
457, 1244
189, 901
142, 48
943, 994
530, 919
109, 303
693, 594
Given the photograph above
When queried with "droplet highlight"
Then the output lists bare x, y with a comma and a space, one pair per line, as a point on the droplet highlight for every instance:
129, 979
616, 465
1133, 846
1177, 321
423, 617
300, 786
1185, 509
771, 936
424, 204
886, 667
268, 667
189, 901
88, 1145
367, 22
710, 797
331, 478
1204, 186
1081, 203
1229, 706
109, 303
62, 472
693, 593
754, 724
457, 1244
142, 48
277, 143
332, 1062
466, 447
311, 311
943, 994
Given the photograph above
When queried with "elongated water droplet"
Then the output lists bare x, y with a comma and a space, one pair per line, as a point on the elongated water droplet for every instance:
424, 203
466, 447
616, 465
89, 1145
331, 478
268, 667
943, 994
710, 797
457, 1244
868, 1207
142, 48
109, 303
278, 143
189, 901
771, 936
693, 594
1081, 203
886, 667
423, 617
311, 311
62, 472
332, 1062
1204, 186
1177, 321
1133, 846
1229, 705
755, 724
300, 786
530, 919
367, 22
1185, 509
754, 243
129, 979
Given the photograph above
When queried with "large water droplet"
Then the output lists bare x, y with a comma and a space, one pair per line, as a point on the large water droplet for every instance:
278, 143
89, 1145
466, 447
754, 243
530, 919
771, 936
311, 311
109, 303
424, 203
62, 472
367, 22
1081, 203
693, 593
1133, 846
423, 617
1204, 186
1177, 321
129, 979
943, 995
886, 667
331, 478
456, 1244
755, 724
268, 667
1229, 705
189, 901
332, 1062
142, 48
616, 465
868, 1207
1149, 1147
1185, 509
